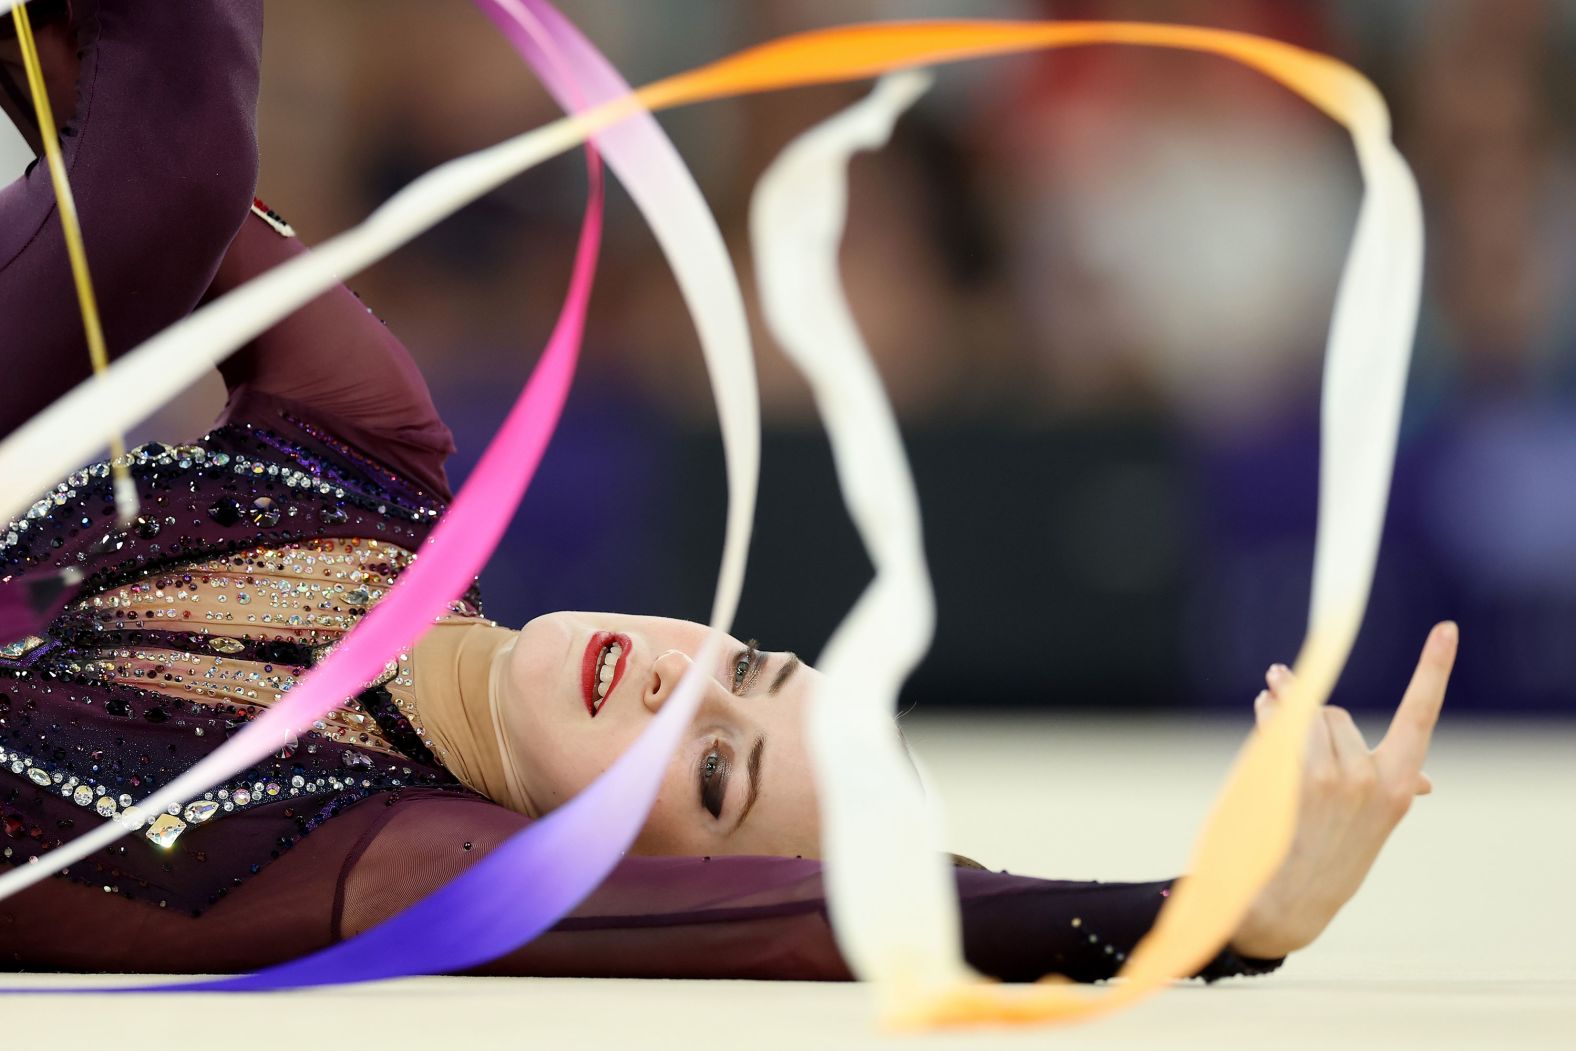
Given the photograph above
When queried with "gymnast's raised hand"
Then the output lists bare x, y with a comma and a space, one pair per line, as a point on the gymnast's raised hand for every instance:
1352, 798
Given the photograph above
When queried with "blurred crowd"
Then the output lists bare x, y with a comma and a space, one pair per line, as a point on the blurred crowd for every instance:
1098, 284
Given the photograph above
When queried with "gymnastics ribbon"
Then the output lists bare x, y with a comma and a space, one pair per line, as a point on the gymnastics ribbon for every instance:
893, 908
564, 856
455, 551
1365, 374
888, 879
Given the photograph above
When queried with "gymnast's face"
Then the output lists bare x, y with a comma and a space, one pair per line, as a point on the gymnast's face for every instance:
586, 684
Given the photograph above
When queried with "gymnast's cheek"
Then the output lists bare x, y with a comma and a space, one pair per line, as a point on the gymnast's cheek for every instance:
557, 759
677, 824
551, 738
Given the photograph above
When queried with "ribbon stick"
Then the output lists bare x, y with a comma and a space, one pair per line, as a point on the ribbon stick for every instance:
71, 226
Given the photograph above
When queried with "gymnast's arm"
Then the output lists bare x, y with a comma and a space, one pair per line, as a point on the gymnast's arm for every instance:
162, 154
742, 917
334, 358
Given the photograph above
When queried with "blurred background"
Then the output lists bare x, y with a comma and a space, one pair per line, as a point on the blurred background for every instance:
1097, 283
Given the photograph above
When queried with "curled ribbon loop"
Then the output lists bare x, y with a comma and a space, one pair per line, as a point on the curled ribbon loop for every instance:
895, 917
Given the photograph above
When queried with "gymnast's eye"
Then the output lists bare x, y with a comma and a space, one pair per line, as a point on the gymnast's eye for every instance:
713, 773
746, 666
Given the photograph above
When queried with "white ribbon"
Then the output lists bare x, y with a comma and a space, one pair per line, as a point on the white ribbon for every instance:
891, 898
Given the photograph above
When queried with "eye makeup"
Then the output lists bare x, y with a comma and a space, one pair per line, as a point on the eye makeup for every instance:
747, 667
716, 763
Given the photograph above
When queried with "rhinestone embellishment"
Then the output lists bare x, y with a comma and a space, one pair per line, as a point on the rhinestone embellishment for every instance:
201, 811
165, 830
20, 648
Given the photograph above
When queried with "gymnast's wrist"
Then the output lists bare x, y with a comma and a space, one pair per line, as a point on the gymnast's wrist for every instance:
1259, 938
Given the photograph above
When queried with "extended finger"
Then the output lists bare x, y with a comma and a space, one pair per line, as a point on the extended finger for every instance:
1278, 678
1321, 760
1405, 744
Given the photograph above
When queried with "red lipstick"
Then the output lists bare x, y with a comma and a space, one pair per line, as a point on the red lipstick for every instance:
597, 651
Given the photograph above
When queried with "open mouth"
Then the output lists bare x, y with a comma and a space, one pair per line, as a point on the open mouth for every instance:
602, 668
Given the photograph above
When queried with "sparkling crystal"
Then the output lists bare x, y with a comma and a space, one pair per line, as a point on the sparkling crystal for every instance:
153, 451
164, 830
225, 644
82, 795
132, 818
38, 776
201, 811
105, 807
264, 512
20, 648
358, 597
242, 796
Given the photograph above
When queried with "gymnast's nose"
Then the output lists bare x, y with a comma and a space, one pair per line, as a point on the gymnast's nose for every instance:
666, 671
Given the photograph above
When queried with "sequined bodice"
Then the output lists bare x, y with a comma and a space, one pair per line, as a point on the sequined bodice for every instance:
245, 615
258, 549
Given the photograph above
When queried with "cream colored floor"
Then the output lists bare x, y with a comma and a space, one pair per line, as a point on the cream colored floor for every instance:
1460, 939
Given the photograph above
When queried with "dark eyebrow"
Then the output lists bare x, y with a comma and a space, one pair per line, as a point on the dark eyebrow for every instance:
790, 666
755, 781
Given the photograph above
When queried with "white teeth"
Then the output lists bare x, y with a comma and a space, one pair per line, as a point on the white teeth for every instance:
605, 671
